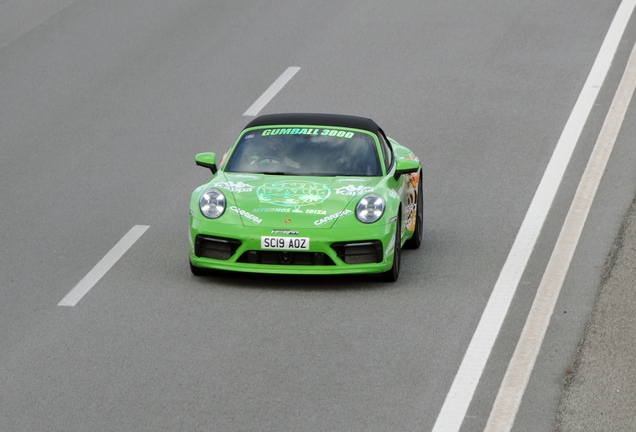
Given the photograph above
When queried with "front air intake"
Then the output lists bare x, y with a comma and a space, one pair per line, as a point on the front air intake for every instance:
359, 252
285, 258
215, 247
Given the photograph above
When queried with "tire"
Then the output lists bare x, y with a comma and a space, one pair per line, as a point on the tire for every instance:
199, 271
393, 274
415, 241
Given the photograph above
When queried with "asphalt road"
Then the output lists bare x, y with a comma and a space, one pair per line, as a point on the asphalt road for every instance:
103, 106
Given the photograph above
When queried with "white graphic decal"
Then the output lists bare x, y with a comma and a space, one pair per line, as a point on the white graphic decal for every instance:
352, 190
271, 210
287, 210
245, 176
390, 247
235, 187
290, 232
332, 217
246, 214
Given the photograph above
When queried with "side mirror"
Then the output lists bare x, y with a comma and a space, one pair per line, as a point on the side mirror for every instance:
207, 160
406, 166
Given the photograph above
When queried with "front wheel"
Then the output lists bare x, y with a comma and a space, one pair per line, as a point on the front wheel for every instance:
393, 274
199, 271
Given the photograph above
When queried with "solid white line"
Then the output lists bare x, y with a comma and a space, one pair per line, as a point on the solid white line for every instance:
102, 267
463, 388
271, 91
506, 405
18, 17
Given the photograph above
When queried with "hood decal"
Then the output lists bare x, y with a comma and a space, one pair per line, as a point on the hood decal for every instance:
293, 193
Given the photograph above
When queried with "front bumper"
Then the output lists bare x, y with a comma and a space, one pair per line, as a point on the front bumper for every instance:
368, 249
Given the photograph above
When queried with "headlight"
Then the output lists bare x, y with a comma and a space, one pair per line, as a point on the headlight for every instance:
212, 203
370, 208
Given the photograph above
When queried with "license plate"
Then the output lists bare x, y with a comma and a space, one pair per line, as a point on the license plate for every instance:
287, 243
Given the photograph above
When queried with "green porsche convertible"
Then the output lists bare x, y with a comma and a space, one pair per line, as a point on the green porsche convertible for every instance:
307, 194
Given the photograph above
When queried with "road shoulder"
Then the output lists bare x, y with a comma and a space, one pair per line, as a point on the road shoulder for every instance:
600, 387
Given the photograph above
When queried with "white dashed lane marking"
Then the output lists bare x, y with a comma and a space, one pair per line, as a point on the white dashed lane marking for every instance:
102, 267
271, 91
18, 17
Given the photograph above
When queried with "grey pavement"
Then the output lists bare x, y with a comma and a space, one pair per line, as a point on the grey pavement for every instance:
600, 387
105, 104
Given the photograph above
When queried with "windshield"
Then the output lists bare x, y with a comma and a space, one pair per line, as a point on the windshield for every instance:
305, 151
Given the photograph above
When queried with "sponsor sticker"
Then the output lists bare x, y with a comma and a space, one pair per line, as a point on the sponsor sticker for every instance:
390, 247
410, 217
352, 190
287, 210
332, 217
271, 210
237, 187
245, 176
282, 231
298, 131
246, 215
224, 158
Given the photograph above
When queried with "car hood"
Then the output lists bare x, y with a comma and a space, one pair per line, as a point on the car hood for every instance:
292, 202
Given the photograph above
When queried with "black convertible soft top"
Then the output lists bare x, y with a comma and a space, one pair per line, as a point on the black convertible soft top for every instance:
310, 119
